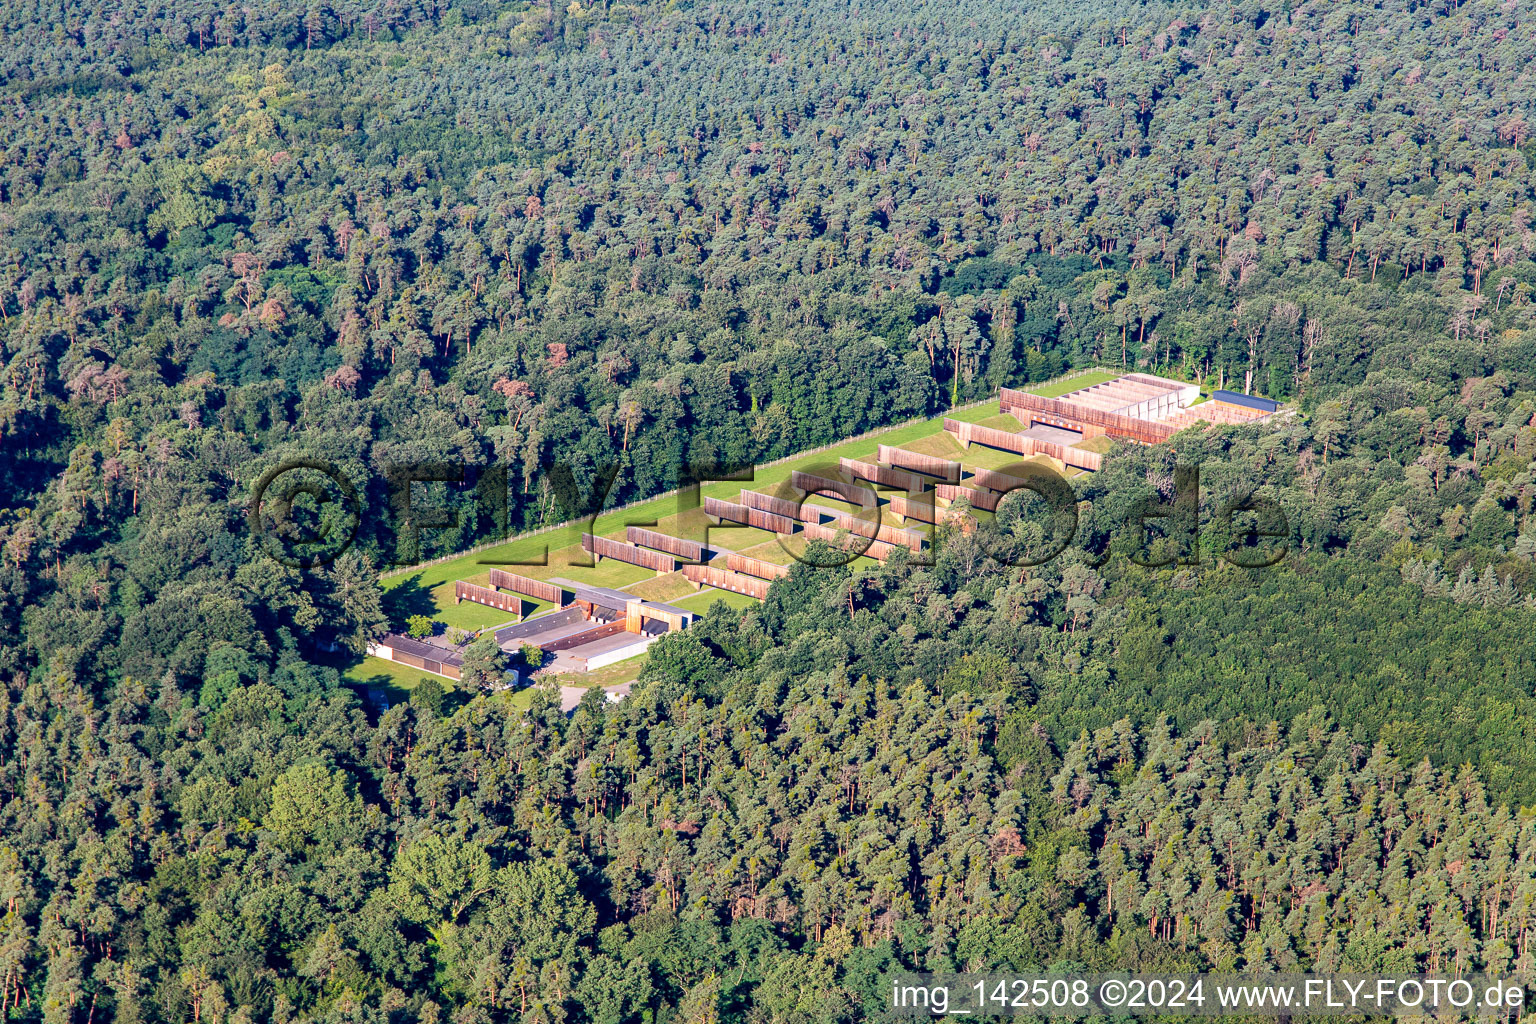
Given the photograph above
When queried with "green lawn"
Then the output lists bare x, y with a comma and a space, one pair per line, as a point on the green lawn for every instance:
771, 551
1071, 384
975, 414
1002, 421
428, 590
702, 601
532, 548
397, 681
662, 588
394, 679
372, 671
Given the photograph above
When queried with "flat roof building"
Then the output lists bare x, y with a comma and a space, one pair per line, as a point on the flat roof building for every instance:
1254, 402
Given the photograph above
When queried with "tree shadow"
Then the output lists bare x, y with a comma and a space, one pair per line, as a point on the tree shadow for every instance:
408, 598
380, 692
377, 693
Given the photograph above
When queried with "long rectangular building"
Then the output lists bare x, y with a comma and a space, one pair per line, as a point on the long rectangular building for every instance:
408, 651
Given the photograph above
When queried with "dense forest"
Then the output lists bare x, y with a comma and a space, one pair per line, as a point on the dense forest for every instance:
653, 234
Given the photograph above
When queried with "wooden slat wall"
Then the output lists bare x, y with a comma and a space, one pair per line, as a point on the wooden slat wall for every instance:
779, 506
909, 539
724, 579
971, 433
756, 518
876, 549
755, 567
728, 510
537, 589
769, 521
883, 475
643, 557
991, 478
930, 465
690, 549
978, 499
1048, 409
810, 483
1070, 456
485, 595
911, 508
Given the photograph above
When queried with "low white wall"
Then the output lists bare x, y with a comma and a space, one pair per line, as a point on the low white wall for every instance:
598, 661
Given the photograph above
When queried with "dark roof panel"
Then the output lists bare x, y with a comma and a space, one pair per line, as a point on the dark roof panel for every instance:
1247, 401
426, 651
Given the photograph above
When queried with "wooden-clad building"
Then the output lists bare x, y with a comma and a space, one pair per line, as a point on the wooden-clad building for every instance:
634, 612
409, 651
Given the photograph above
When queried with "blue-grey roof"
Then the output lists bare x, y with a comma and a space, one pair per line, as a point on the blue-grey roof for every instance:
1248, 401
